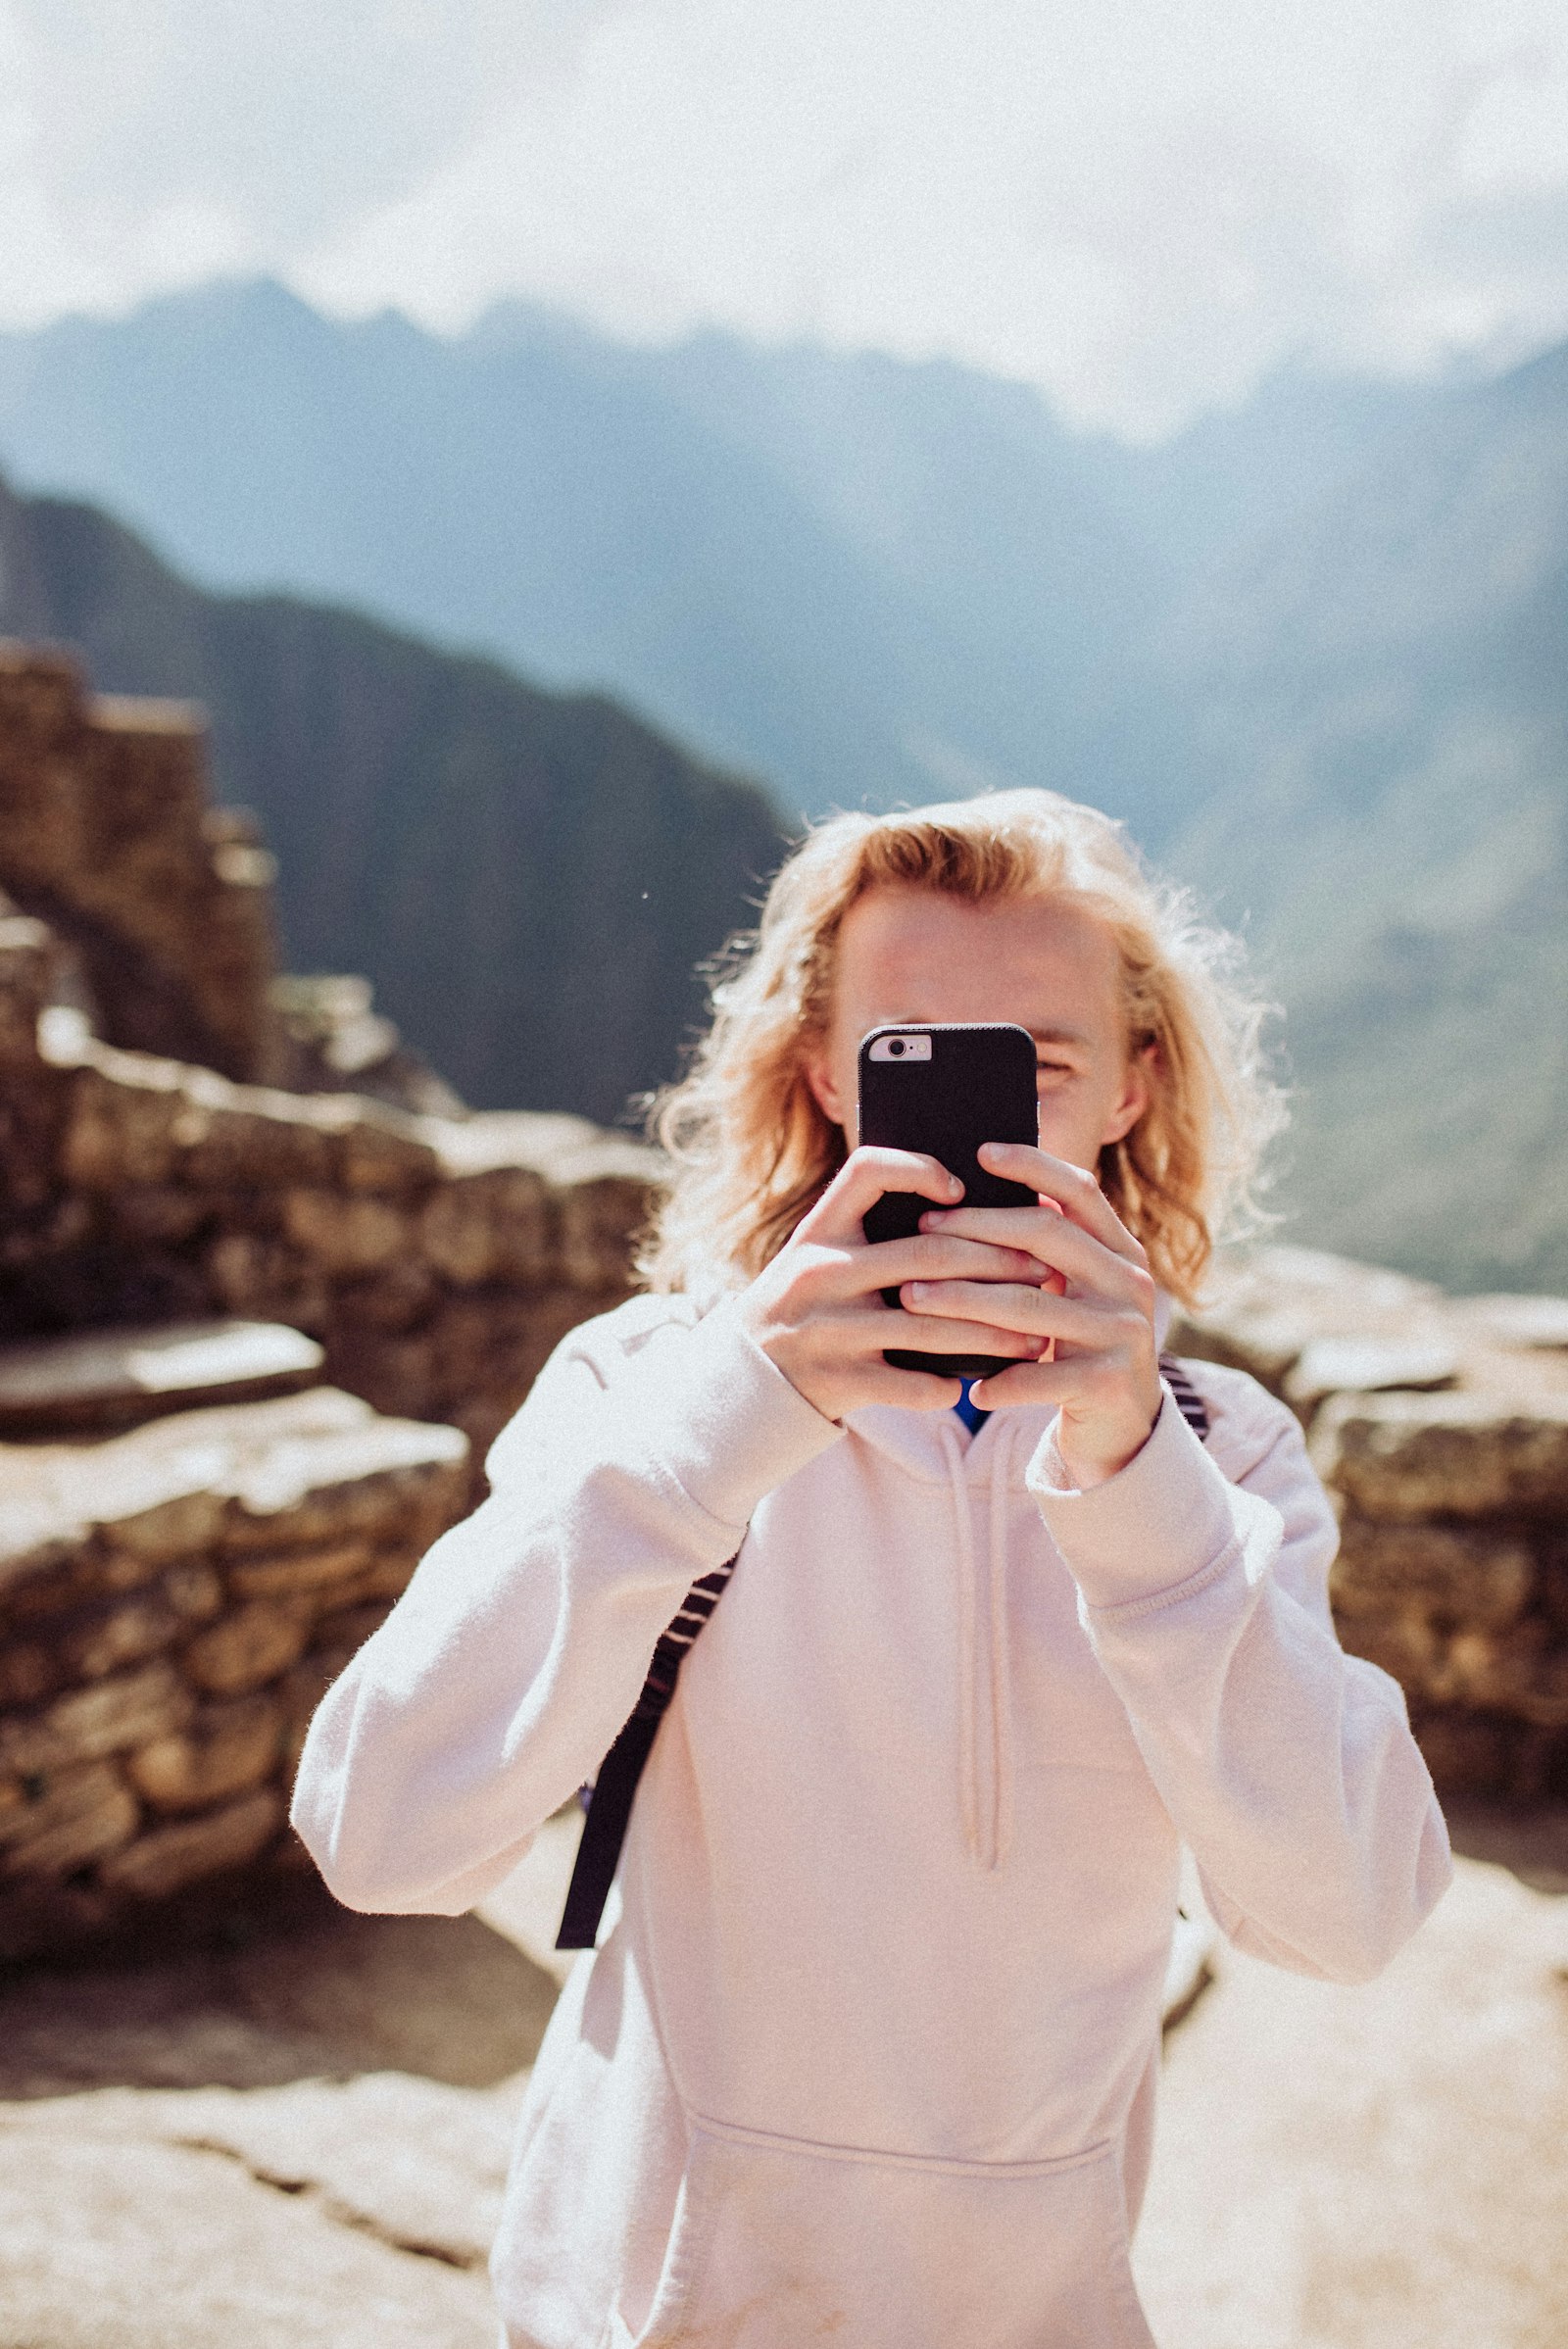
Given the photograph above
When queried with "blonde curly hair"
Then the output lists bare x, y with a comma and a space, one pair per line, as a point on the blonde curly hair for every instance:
751, 1150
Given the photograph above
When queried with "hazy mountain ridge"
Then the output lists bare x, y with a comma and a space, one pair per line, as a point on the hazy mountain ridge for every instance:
529, 499
1388, 697
529, 878
859, 576
1313, 650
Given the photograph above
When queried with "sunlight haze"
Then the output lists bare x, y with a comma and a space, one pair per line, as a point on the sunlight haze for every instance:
1141, 211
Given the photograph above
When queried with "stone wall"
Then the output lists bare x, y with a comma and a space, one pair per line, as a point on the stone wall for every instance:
438, 1261
173, 1602
174, 1598
1441, 1427
106, 833
1453, 1574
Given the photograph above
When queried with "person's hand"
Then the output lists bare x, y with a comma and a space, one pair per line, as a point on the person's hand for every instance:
815, 1310
1105, 1374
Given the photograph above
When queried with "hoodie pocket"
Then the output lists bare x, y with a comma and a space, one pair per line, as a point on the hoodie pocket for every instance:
777, 2242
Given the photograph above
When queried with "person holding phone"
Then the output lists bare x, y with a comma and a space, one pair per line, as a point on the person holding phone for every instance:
868, 2049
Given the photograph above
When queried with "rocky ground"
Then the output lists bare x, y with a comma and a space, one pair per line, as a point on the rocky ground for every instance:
299, 2144
1386, 2167
296, 2140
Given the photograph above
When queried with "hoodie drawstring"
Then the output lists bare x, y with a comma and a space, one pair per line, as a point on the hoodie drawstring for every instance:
1001, 1651
985, 1708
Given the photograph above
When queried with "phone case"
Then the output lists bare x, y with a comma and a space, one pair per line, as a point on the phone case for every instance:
979, 1084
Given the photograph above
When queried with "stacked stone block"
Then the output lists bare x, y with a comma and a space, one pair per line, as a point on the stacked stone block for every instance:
1453, 1572
1441, 1427
173, 1599
438, 1261
173, 1604
106, 833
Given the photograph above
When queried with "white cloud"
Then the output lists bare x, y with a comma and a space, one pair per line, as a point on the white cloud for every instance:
1139, 206
147, 143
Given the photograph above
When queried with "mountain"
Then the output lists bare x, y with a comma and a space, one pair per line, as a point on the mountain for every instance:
1312, 649
864, 578
1385, 692
529, 878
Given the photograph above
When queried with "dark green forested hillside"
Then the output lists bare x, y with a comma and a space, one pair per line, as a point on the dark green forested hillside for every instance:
529, 878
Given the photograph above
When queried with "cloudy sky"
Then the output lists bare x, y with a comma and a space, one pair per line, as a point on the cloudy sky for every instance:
1140, 207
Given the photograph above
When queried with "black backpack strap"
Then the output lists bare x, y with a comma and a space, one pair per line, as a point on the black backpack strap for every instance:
1185, 1395
603, 1830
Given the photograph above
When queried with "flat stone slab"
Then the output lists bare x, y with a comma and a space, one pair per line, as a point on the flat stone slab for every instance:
322, 1994
113, 1378
564, 1148
340, 2190
412, 2162
166, 2247
1536, 1322
1309, 1325
1361, 1365
1265, 1306
1372, 2168
1467, 1456
240, 1469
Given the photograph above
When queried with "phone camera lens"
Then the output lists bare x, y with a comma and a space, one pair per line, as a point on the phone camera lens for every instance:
896, 1047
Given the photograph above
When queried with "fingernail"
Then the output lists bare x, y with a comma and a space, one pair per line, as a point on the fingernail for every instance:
933, 1221
916, 1288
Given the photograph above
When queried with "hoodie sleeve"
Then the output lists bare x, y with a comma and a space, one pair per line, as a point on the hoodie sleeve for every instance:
505, 1670
1286, 1766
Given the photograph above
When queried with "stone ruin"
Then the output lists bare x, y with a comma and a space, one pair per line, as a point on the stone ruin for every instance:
107, 835
256, 1331
253, 1341
1440, 1425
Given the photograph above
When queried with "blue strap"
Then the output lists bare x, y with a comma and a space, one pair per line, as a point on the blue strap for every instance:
1184, 1395
971, 1412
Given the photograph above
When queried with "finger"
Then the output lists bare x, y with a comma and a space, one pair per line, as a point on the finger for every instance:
1013, 1306
930, 1333
866, 1176
1076, 1193
911, 1389
934, 1257
1027, 1383
1051, 1239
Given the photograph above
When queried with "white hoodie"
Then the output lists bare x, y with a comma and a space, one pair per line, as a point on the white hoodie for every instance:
868, 2050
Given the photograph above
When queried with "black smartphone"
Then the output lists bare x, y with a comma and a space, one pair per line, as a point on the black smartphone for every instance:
945, 1088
